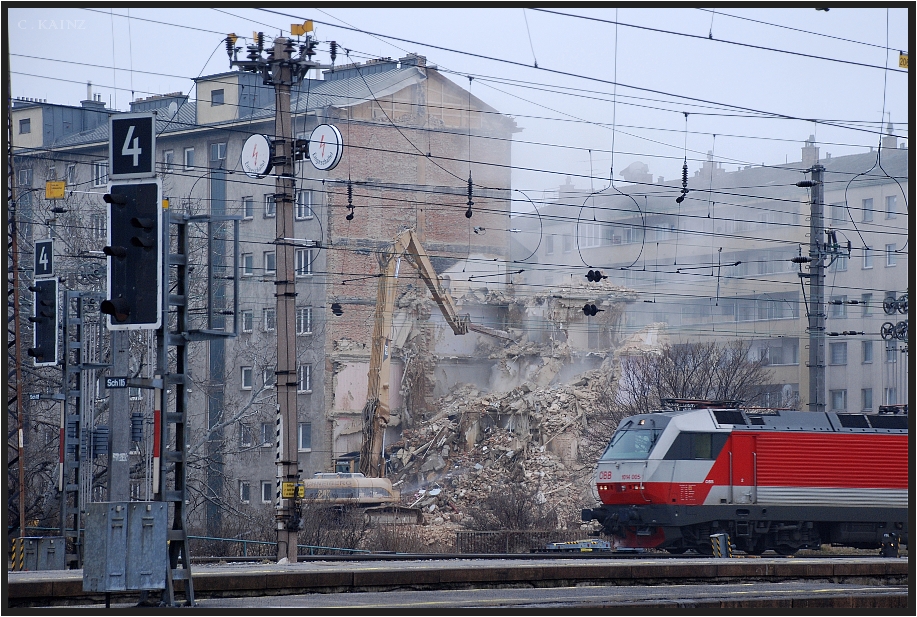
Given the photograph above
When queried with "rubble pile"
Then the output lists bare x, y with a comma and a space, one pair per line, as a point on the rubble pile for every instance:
546, 438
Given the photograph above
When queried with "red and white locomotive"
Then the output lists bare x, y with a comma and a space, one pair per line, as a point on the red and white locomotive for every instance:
771, 479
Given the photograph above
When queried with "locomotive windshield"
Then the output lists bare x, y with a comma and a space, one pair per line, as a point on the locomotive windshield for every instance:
632, 443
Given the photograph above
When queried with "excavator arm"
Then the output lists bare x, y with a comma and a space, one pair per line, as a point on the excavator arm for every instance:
376, 411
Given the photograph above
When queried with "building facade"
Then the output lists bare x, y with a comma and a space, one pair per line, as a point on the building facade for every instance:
718, 263
417, 149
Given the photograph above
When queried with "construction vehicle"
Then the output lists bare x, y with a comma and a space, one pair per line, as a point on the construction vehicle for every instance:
383, 506
376, 411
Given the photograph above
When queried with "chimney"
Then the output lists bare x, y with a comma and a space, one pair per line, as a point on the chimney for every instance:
889, 141
93, 101
809, 152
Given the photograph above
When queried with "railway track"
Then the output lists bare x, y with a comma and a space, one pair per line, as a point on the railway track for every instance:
538, 555
323, 575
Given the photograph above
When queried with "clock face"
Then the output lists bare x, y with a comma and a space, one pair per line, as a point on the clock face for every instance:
256, 156
325, 147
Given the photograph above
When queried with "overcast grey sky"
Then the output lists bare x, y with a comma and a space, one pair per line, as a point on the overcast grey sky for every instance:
735, 72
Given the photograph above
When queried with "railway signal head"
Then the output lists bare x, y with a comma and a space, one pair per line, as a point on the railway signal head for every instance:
45, 347
134, 256
590, 310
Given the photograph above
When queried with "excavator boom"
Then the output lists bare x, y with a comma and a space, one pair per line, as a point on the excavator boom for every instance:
376, 412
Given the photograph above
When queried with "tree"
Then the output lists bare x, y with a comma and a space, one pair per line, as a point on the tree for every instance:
696, 370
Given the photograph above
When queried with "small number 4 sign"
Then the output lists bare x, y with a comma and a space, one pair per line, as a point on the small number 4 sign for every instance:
44, 258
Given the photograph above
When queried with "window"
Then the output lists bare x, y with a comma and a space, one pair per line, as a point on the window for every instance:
304, 320
866, 396
98, 225
891, 351
838, 353
135, 394
568, 243
867, 352
245, 435
890, 258
248, 207
247, 264
838, 400
189, 158
246, 378
867, 258
25, 126
305, 437
786, 353
71, 174
267, 434
866, 301
168, 160
549, 245
840, 264
303, 262
303, 205
248, 320
52, 172
838, 307
218, 151
99, 173
304, 378
695, 446
838, 213
270, 262
267, 492
891, 396
270, 377
867, 210
245, 490
590, 235
269, 319
216, 97
25, 178
891, 206
270, 206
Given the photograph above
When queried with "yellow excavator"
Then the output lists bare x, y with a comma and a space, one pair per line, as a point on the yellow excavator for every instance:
356, 487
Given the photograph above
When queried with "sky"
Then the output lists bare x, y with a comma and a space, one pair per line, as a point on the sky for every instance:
611, 87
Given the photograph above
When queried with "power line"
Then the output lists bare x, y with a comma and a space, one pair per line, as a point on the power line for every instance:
707, 38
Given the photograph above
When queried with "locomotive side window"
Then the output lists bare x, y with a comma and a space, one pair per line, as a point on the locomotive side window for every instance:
696, 446
631, 444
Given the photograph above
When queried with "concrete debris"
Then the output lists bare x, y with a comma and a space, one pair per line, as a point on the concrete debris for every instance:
547, 438
542, 425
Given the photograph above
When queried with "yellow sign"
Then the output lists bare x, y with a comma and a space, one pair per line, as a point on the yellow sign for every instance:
902, 60
301, 29
289, 489
55, 189
165, 204
232, 38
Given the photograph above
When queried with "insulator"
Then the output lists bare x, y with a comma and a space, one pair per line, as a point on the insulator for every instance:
229, 47
684, 175
259, 41
334, 51
470, 203
349, 194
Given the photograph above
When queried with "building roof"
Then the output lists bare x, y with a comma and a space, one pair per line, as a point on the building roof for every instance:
309, 96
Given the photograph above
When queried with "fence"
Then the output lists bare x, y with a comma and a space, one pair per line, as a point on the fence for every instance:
516, 541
